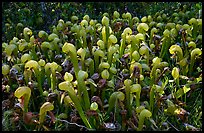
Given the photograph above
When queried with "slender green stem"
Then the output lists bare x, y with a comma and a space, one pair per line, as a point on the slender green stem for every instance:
195, 30
97, 54
111, 51
165, 47
39, 79
134, 45
90, 64
147, 59
70, 48
127, 83
84, 40
122, 47
177, 86
82, 53
136, 88
137, 99
53, 81
89, 43
83, 90
56, 46
26, 74
33, 53
153, 31
66, 86
107, 36
130, 22
153, 72
92, 87
151, 102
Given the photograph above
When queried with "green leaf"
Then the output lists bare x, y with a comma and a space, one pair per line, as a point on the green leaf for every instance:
186, 89
179, 93
182, 91
199, 79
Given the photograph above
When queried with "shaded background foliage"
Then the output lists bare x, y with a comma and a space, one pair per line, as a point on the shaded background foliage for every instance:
43, 15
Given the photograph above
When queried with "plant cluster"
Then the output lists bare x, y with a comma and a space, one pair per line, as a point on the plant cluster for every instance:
33, 14
119, 73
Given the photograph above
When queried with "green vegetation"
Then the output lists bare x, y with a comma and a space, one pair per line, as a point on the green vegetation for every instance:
102, 66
